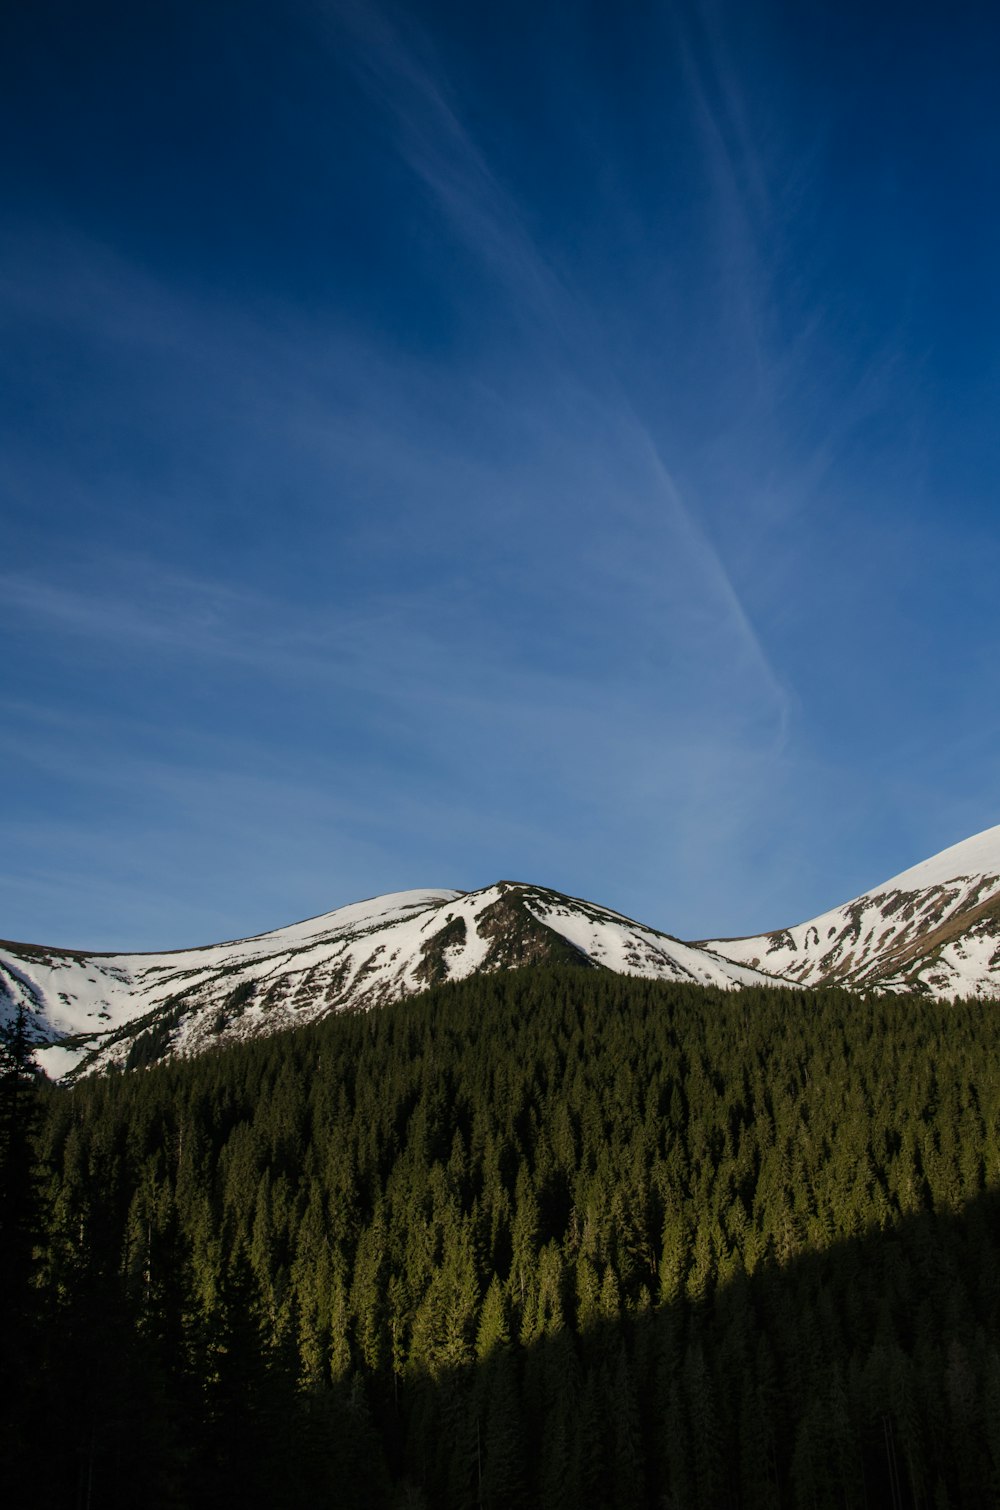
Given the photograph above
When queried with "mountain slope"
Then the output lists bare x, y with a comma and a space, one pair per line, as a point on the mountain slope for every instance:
934, 928
95, 1010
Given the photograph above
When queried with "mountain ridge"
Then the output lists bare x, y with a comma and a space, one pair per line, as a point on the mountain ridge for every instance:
90, 1011
933, 928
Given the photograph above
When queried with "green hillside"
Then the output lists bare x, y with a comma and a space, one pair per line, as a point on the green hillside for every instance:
550, 1238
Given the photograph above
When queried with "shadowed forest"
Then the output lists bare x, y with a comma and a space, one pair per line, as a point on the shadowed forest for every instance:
551, 1238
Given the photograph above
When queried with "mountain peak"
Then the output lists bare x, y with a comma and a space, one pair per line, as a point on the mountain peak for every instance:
977, 856
933, 929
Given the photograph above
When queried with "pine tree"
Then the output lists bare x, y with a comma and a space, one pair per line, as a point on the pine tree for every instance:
21, 1225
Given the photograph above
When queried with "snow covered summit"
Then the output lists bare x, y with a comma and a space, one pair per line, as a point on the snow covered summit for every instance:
934, 928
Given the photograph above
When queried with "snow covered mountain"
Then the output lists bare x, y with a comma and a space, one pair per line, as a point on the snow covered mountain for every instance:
933, 929
92, 1010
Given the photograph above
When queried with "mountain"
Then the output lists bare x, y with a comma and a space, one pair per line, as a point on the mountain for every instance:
934, 929
93, 1010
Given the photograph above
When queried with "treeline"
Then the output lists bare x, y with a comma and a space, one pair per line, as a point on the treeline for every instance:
549, 1239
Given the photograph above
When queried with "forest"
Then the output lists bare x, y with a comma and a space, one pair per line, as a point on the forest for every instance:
544, 1239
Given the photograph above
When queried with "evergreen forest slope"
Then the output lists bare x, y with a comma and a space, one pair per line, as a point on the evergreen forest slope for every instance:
543, 1238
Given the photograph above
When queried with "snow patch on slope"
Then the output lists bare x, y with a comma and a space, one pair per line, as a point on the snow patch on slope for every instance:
632, 949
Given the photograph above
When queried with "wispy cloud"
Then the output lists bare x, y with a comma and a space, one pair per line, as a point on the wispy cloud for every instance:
443, 152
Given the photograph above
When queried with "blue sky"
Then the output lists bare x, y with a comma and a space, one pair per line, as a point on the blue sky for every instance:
442, 443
